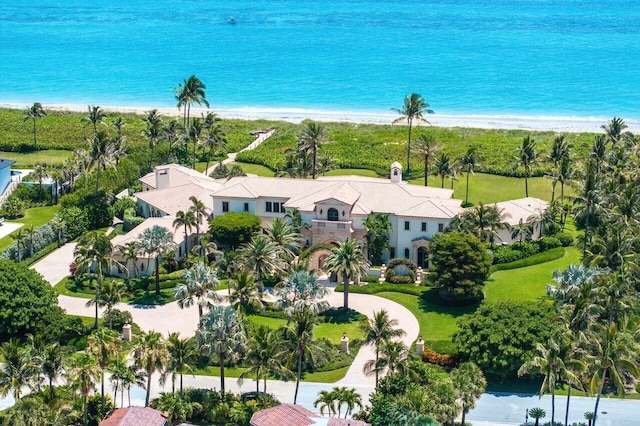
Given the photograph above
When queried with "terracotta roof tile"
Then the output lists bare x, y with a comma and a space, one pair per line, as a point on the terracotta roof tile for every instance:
135, 416
284, 415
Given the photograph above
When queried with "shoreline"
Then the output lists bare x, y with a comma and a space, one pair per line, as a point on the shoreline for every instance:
566, 124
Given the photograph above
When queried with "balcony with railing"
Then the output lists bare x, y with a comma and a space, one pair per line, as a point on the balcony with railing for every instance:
331, 225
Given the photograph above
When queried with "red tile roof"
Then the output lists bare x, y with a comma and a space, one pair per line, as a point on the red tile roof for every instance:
135, 416
334, 421
283, 415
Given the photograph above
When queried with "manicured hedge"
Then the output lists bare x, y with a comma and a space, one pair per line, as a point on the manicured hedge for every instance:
536, 259
381, 287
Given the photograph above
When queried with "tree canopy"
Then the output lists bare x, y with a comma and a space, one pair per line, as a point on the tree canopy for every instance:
232, 229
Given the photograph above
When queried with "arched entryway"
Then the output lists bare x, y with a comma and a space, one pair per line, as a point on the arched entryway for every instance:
423, 258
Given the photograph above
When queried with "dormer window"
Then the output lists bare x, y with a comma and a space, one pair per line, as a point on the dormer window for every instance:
332, 215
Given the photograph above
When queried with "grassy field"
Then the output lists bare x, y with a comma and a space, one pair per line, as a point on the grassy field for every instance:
352, 172
50, 157
35, 216
254, 169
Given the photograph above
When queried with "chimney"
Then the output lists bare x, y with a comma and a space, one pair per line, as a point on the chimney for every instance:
162, 178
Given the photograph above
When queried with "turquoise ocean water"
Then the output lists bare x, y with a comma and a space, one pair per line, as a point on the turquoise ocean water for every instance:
523, 57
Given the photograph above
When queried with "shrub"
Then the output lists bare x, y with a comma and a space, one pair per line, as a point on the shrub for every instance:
548, 243
76, 221
13, 207
393, 263
389, 274
131, 222
117, 318
565, 239
369, 279
43, 236
122, 205
527, 248
536, 259
506, 254
400, 279
232, 229
433, 357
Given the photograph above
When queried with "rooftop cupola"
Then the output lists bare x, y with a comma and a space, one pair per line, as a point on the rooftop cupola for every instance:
396, 172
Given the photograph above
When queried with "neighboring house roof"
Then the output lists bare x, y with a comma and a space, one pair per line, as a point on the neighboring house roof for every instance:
135, 416
334, 421
523, 208
171, 200
296, 415
179, 175
5, 163
164, 221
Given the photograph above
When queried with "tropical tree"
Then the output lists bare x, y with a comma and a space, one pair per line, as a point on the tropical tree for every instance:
413, 109
301, 292
394, 357
130, 252
215, 139
483, 221
188, 221
588, 197
100, 153
616, 131
110, 294
261, 255
468, 162
285, 237
378, 330
156, 241
34, 112
378, 231
103, 345
194, 131
326, 401
221, 333
313, 136
119, 140
183, 355
526, 158
199, 210
522, 231
350, 397
153, 130
40, 173
564, 174
470, 384
51, 363
190, 91
93, 254
199, 288
96, 116
245, 293
177, 409
443, 167
83, 373
427, 146
17, 369
151, 354
537, 414
348, 261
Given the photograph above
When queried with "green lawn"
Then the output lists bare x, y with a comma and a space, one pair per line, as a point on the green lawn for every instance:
233, 373
253, 169
70, 287
352, 172
35, 216
29, 159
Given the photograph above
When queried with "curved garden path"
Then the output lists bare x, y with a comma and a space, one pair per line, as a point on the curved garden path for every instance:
171, 318
232, 155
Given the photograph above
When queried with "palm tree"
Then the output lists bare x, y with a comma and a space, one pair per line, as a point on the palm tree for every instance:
198, 208
221, 333
522, 231
468, 162
598, 151
157, 241
470, 384
19, 237
245, 293
413, 109
206, 246
394, 357
83, 373
190, 91
151, 354
176, 408
34, 112
348, 261
300, 292
615, 131
263, 343
443, 166
379, 229
313, 136
295, 219
427, 146
537, 414
587, 198
285, 237
119, 140
188, 221
110, 294
129, 252
299, 332
96, 115
327, 401
378, 330
173, 134
261, 255
350, 397
590, 417
51, 362
195, 132
526, 158
100, 153
31, 232
153, 130
199, 288
93, 254
103, 345
214, 140
183, 355
484, 222
17, 369
564, 174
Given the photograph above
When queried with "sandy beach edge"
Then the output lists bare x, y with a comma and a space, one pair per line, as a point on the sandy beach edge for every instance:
565, 124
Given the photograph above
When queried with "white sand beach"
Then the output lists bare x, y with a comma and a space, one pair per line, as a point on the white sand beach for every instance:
566, 124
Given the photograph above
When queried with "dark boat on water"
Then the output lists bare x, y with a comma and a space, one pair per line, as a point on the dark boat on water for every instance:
231, 21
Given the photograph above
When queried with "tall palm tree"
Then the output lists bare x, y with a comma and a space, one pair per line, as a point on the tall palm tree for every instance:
427, 146
470, 384
294, 217
103, 344
40, 173
379, 230
468, 162
190, 91
245, 293
394, 357
96, 116
34, 112
157, 241
100, 153
587, 197
378, 330
526, 158
83, 373
301, 292
313, 136
188, 221
484, 222
599, 151
261, 255
348, 261
17, 369
199, 210
19, 237
326, 401
221, 333
119, 140
183, 355
151, 354
199, 288
153, 130
413, 109
110, 294
564, 174
195, 130
443, 167
130, 252
215, 139
263, 343
51, 363
93, 254
350, 397
615, 131
522, 231
285, 237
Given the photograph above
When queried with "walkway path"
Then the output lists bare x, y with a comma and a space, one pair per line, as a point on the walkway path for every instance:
232, 156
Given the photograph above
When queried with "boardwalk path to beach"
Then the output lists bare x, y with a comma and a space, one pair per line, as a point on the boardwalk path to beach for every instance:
261, 137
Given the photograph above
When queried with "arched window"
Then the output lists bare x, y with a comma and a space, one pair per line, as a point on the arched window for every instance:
406, 253
332, 214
